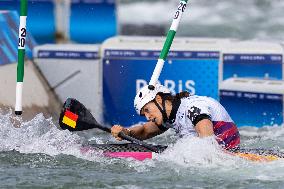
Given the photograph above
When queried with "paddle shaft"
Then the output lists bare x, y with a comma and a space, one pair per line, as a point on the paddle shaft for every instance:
76, 117
130, 139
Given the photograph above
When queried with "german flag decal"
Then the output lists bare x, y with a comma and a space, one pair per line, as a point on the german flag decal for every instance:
70, 119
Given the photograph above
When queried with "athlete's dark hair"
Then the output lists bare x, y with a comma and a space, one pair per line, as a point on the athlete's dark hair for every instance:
168, 96
182, 94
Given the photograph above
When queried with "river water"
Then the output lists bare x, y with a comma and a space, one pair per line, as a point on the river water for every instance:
36, 154
240, 19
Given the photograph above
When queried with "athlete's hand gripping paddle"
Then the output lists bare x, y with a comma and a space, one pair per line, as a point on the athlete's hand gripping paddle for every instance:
75, 117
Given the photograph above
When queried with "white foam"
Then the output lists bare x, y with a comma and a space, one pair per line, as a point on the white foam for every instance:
274, 132
196, 152
36, 136
39, 135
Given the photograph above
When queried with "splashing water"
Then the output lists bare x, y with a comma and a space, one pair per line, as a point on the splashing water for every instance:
39, 135
38, 154
196, 152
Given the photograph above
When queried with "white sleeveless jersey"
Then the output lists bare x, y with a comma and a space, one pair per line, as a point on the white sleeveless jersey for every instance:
196, 105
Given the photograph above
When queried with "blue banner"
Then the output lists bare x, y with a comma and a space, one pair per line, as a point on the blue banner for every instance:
125, 72
59, 54
155, 54
253, 109
252, 65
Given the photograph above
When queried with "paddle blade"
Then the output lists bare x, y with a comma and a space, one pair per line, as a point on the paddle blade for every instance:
74, 116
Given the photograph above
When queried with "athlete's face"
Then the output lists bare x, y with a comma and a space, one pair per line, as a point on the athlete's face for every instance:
152, 113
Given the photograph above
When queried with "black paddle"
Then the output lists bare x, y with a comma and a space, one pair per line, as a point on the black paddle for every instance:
75, 117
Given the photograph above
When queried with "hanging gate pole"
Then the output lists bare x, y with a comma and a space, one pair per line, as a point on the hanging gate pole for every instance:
167, 44
21, 56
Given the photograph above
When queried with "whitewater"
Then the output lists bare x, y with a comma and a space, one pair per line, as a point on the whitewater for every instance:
37, 154
250, 19
38, 147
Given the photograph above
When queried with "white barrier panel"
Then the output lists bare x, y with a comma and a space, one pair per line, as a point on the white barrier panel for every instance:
73, 71
253, 102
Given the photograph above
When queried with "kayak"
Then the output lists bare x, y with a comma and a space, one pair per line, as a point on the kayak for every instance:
135, 151
262, 155
76, 117
126, 150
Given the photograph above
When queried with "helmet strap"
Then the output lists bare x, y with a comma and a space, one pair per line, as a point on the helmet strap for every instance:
163, 111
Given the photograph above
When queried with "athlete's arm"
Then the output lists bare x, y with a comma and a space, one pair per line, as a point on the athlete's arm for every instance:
200, 117
204, 128
145, 131
142, 132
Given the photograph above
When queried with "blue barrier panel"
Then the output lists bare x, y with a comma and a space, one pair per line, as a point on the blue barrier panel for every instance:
92, 21
5, 54
9, 24
253, 109
41, 19
126, 71
252, 65
9, 35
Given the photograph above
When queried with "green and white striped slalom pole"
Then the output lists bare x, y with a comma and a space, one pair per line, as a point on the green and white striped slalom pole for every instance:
21, 56
167, 44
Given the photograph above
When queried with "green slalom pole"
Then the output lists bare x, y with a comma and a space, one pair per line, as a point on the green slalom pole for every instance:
167, 44
21, 56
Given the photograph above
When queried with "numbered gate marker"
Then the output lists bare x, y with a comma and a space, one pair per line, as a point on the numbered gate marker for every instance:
21, 56
167, 44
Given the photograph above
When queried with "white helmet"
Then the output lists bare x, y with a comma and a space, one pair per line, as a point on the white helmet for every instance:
146, 95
